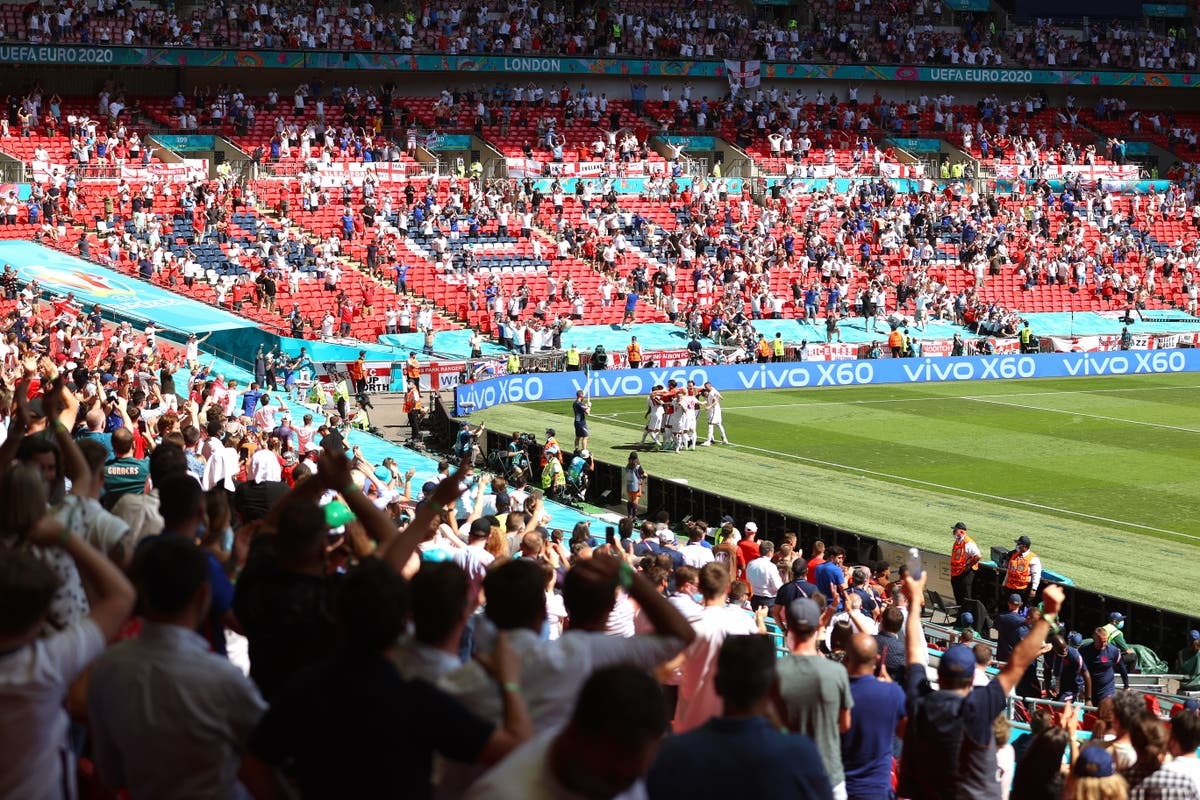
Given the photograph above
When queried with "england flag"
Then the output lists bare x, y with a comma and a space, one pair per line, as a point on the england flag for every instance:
744, 74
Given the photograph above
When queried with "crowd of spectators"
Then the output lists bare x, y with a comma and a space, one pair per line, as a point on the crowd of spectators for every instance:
213, 570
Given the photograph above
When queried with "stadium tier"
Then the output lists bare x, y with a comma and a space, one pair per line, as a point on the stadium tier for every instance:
225, 289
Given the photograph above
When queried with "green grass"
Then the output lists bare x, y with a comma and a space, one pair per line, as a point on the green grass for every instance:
1102, 473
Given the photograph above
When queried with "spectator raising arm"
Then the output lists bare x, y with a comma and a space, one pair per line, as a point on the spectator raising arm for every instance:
114, 595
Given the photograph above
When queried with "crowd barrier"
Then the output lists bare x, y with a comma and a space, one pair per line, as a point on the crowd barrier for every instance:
798, 375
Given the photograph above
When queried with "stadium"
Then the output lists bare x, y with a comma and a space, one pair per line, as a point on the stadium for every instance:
616, 401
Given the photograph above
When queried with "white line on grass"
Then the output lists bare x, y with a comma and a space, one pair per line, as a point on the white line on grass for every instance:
917, 481
930, 399
1081, 414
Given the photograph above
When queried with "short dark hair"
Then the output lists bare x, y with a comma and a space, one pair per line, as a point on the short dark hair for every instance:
167, 460
621, 703
27, 586
168, 571
372, 607
516, 594
301, 525
893, 619
687, 574
833, 552
587, 601
439, 600
745, 670
714, 580
799, 570
1185, 730
179, 498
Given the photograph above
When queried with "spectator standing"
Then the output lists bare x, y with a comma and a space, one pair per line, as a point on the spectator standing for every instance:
697, 691
949, 745
876, 719
168, 716
36, 671
1187, 662
1103, 662
1179, 778
739, 753
763, 577
1024, 572
814, 692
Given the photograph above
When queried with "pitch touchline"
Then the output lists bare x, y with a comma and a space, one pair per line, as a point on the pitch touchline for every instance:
1082, 414
934, 398
919, 482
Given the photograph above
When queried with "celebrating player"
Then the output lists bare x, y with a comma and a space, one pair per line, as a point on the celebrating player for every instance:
712, 404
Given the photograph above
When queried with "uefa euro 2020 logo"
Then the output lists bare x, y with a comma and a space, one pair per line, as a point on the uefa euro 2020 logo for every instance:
78, 280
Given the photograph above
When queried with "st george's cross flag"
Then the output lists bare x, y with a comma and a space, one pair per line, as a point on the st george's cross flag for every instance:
746, 74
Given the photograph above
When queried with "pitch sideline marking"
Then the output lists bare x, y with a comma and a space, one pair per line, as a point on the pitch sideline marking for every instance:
933, 485
929, 399
1082, 414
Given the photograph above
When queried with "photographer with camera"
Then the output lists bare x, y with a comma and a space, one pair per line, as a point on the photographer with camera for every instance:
466, 446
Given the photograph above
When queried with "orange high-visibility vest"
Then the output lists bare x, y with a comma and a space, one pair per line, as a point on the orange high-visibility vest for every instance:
958, 557
1019, 571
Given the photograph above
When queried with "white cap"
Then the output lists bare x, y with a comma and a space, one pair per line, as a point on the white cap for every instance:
750, 527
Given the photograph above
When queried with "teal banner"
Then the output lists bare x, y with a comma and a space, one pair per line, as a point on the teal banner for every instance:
185, 143
918, 145
968, 5
1135, 148
288, 59
448, 141
692, 142
1164, 10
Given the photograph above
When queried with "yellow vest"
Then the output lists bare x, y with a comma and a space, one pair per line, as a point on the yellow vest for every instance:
779, 347
514, 364
573, 357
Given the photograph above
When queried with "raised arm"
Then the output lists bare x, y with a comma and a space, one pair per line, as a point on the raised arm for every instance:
914, 636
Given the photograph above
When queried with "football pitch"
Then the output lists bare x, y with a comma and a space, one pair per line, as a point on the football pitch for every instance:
1102, 473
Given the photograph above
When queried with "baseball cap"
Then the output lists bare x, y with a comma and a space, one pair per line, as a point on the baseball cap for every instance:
1116, 616
726, 520
751, 527
549, 431
957, 662
1024, 540
1074, 638
1094, 762
960, 526
1193, 635
803, 613
585, 453
1015, 598
1191, 704
968, 619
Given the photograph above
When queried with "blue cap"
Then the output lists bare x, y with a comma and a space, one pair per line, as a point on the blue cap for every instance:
1193, 635
1094, 762
803, 613
1191, 705
968, 619
1015, 598
957, 662
1074, 638
1116, 616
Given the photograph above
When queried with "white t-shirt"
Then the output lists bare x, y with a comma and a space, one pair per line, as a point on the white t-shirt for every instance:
698, 700
696, 555
33, 737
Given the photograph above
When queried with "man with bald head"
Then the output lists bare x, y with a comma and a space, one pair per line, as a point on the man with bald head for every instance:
95, 431
876, 719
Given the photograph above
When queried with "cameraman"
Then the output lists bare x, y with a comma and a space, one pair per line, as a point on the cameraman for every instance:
516, 455
466, 446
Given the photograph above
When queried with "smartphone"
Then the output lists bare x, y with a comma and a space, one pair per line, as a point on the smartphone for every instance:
610, 534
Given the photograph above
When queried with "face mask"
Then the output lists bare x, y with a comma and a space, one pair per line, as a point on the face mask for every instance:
227, 539
699, 598
201, 530
1120, 624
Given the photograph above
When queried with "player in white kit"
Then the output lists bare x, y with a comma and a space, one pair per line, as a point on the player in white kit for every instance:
655, 414
712, 403
685, 436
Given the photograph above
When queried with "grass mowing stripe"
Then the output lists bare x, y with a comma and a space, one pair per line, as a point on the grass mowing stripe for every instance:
1027, 407
943, 487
